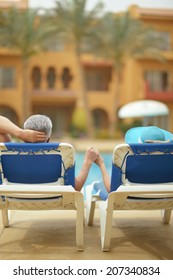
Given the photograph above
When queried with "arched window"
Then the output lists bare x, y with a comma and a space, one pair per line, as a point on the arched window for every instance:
51, 77
100, 119
9, 113
36, 77
66, 77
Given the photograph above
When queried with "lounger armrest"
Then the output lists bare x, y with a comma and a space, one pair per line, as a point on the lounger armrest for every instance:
153, 188
34, 189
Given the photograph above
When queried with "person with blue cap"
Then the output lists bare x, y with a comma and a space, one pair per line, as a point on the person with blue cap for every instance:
148, 134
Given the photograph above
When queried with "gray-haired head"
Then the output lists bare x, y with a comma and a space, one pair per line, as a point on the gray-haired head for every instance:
40, 123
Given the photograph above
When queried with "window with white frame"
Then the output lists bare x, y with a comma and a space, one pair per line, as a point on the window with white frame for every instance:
164, 38
55, 44
98, 78
158, 80
7, 77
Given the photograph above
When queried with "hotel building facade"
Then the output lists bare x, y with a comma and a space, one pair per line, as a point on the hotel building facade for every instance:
54, 86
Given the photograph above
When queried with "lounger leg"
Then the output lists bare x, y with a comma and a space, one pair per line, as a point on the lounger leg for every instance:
90, 214
166, 216
80, 222
106, 214
90, 205
5, 218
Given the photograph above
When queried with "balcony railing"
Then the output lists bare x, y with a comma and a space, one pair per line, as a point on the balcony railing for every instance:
53, 96
53, 93
163, 95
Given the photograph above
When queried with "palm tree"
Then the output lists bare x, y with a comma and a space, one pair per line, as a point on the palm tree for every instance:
77, 25
26, 32
118, 38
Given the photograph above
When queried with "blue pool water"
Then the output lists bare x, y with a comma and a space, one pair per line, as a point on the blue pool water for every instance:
94, 174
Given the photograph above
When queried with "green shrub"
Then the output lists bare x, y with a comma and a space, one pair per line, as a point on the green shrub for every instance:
78, 126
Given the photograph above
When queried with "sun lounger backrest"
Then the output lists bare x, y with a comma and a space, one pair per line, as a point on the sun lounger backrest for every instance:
149, 169
31, 169
142, 163
35, 163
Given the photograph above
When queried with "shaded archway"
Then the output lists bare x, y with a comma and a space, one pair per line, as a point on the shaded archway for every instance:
9, 113
66, 77
51, 77
100, 118
36, 77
